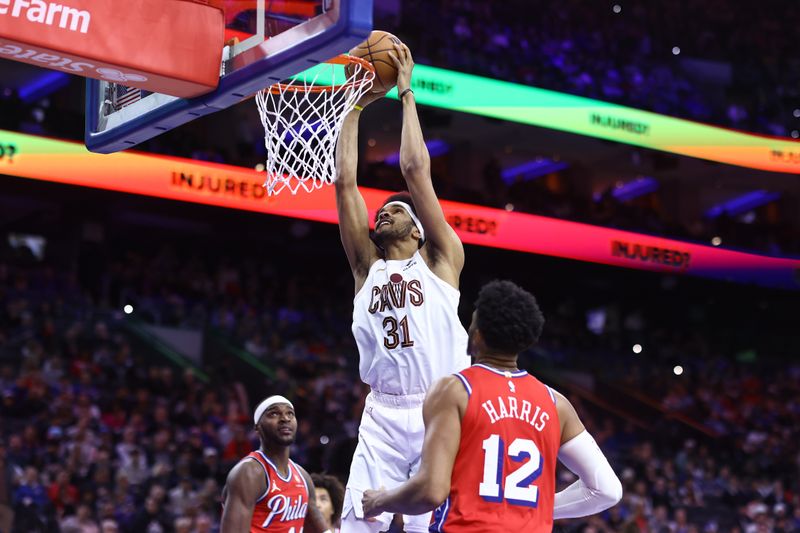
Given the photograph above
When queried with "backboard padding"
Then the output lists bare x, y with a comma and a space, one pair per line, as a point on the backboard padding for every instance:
251, 65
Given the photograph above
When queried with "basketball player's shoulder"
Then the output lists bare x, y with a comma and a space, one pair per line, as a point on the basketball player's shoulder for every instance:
471, 372
304, 474
249, 465
564, 406
445, 385
374, 263
447, 389
440, 265
248, 473
554, 394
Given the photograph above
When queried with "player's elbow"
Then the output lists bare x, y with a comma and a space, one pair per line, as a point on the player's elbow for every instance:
416, 166
611, 492
344, 178
434, 494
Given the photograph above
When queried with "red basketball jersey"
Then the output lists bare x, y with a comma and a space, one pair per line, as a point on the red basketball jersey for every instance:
282, 508
504, 474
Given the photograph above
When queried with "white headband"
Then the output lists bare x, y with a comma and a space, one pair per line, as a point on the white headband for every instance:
266, 404
411, 214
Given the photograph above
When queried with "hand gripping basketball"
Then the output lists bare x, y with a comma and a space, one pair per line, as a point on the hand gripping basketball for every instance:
376, 50
405, 64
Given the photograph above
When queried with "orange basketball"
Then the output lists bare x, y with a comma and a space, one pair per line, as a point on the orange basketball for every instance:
376, 50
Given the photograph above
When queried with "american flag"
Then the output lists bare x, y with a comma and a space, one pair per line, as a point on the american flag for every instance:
125, 96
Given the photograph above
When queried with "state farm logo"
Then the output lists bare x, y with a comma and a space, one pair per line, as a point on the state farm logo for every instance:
67, 64
118, 76
48, 13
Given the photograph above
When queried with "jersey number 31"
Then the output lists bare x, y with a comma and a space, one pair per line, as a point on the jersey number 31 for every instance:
394, 337
517, 484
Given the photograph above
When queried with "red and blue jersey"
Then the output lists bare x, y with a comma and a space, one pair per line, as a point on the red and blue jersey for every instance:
283, 506
504, 473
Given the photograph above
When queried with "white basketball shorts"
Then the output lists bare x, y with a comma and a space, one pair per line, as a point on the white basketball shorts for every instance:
388, 453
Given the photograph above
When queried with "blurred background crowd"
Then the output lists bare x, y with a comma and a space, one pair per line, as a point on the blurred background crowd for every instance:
714, 62
105, 428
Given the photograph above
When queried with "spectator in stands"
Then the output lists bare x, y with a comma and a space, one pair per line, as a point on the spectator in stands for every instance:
7, 478
330, 497
81, 522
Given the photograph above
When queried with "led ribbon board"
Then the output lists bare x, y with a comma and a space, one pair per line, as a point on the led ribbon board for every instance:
456, 91
186, 180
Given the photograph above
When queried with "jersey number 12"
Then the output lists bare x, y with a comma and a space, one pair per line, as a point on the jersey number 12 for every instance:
518, 486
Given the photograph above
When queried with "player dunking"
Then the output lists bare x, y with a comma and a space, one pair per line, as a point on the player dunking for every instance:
405, 319
493, 433
266, 491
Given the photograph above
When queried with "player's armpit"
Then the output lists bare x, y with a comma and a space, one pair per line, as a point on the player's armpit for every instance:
246, 483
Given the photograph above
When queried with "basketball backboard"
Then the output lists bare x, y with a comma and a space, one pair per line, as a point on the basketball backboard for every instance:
268, 41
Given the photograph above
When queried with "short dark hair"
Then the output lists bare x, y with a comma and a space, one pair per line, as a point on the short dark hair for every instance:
335, 490
508, 317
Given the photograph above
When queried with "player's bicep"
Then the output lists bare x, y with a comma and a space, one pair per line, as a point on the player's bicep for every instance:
354, 228
245, 484
236, 515
442, 433
571, 424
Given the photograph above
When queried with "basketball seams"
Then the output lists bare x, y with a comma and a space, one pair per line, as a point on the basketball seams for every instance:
382, 37
382, 50
375, 51
371, 60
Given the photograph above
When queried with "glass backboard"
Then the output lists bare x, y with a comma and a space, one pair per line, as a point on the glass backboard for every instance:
266, 41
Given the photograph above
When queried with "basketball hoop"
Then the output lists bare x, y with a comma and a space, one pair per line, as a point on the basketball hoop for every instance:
302, 120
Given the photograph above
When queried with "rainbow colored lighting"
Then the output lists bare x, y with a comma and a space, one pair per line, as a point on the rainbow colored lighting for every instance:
504, 100
241, 188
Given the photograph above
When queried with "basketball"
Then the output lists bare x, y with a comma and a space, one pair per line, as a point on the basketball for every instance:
376, 50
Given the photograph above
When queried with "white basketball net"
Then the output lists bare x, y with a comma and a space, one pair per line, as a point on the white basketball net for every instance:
302, 122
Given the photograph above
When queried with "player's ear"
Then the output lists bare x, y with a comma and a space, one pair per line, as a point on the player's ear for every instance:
477, 338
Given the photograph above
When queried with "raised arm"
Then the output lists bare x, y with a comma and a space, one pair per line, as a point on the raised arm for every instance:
246, 483
443, 244
350, 205
598, 487
442, 412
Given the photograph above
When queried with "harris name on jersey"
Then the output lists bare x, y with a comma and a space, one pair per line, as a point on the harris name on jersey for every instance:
511, 408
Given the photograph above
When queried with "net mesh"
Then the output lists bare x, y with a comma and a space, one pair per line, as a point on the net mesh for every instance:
302, 120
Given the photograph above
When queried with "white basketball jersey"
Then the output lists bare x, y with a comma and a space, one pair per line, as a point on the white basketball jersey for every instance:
406, 326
